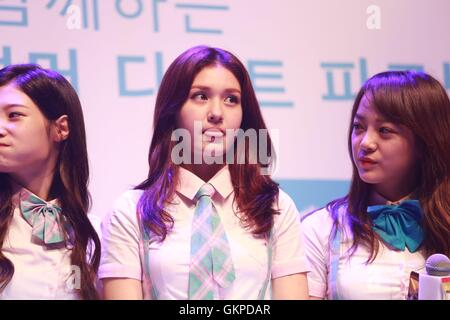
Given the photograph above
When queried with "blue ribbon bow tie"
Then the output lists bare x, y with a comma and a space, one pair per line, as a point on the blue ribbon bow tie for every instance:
45, 219
399, 225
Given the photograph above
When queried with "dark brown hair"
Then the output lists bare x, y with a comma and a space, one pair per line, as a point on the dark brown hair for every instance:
255, 193
419, 102
54, 96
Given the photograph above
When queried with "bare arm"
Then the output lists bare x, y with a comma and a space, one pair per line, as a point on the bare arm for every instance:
291, 287
122, 289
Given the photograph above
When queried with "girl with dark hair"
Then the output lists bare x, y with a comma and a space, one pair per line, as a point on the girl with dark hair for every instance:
205, 229
397, 213
45, 233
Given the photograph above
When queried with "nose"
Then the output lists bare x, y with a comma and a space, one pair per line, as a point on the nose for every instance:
368, 142
215, 112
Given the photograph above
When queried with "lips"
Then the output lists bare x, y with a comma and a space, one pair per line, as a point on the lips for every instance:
213, 132
213, 135
366, 161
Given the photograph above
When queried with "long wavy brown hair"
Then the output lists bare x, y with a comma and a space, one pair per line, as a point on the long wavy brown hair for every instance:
254, 192
54, 96
419, 102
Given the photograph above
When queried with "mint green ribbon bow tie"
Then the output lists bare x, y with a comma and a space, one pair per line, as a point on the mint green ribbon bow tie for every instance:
44, 218
399, 225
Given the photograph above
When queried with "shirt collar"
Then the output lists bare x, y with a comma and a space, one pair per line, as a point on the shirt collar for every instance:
189, 183
22, 193
377, 198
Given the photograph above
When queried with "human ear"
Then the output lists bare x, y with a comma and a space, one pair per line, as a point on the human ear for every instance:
61, 128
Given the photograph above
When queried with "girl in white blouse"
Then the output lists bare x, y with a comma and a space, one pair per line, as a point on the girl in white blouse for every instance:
365, 245
201, 229
44, 228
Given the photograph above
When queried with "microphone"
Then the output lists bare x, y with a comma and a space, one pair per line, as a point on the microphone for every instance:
435, 284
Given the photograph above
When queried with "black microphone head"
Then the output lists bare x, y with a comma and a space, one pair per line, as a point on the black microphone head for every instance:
438, 265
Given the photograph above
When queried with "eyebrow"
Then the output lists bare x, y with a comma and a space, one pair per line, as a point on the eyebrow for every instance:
208, 88
359, 117
14, 105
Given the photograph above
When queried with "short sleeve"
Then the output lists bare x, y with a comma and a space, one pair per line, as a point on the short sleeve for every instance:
120, 239
288, 256
317, 227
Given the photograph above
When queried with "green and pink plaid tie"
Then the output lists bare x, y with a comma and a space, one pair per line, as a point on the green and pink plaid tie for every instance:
44, 218
211, 266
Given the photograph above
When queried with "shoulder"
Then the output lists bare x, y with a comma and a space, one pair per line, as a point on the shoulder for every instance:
318, 217
325, 214
124, 207
284, 202
129, 198
319, 223
285, 206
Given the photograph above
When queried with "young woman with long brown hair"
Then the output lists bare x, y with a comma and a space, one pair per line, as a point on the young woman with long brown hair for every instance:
48, 247
397, 213
204, 229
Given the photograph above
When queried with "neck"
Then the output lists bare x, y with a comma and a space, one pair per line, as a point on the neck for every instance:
397, 190
36, 180
381, 195
204, 172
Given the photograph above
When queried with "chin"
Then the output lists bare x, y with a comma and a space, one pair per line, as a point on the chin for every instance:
217, 146
213, 152
369, 178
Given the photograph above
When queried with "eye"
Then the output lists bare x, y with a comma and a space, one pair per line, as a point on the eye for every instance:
385, 130
15, 115
199, 96
357, 126
232, 99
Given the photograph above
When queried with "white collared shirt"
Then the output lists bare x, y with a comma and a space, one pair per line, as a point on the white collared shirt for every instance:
386, 278
39, 272
169, 261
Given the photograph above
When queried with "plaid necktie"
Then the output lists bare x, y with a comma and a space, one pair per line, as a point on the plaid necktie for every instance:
211, 265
